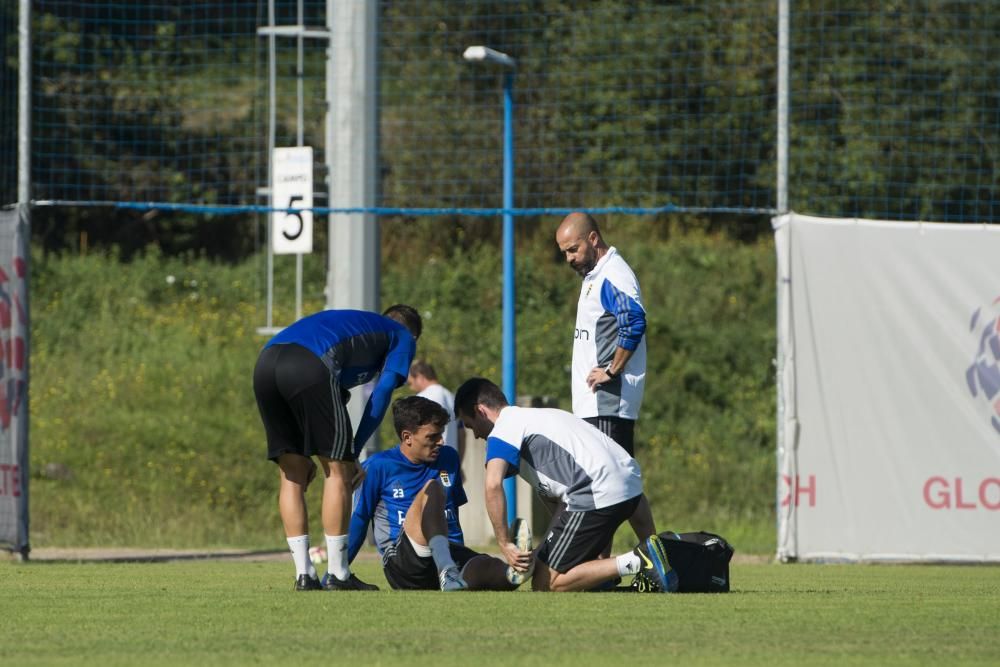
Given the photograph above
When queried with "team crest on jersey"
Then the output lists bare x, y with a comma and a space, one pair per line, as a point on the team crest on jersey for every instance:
445, 478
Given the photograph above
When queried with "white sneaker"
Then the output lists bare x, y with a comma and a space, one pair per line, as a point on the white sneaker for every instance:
451, 580
521, 534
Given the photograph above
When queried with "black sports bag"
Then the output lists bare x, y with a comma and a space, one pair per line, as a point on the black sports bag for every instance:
700, 559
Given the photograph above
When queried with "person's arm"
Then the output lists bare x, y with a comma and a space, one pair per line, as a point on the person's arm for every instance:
375, 409
631, 320
365, 501
457, 495
395, 368
496, 507
460, 433
501, 462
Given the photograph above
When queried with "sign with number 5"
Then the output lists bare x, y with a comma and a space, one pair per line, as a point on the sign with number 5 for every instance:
292, 188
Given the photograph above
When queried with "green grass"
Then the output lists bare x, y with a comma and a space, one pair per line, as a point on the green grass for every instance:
233, 613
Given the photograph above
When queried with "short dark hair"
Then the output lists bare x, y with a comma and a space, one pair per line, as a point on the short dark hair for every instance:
422, 368
412, 412
407, 316
478, 391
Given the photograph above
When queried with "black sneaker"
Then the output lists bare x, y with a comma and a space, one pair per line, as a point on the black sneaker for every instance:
662, 572
643, 584
332, 583
655, 574
307, 583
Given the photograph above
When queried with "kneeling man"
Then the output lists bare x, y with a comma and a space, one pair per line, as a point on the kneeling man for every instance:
594, 482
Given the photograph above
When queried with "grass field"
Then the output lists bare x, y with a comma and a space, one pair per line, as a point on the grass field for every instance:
236, 613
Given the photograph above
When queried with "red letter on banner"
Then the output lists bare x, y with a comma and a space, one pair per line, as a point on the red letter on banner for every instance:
994, 481
943, 499
959, 505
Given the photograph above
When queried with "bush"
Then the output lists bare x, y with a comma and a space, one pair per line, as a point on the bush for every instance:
141, 380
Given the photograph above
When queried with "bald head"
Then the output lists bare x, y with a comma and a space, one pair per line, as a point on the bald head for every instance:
576, 226
579, 240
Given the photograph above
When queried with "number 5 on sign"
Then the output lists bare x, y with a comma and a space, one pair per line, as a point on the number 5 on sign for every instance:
292, 187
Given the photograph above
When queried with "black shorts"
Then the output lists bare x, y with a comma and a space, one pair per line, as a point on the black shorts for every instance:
405, 570
578, 537
303, 408
618, 429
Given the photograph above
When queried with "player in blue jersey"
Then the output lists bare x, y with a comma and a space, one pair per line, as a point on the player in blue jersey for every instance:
411, 495
571, 463
301, 383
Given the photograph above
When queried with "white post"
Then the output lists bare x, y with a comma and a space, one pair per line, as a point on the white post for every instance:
352, 279
24, 104
351, 154
782, 147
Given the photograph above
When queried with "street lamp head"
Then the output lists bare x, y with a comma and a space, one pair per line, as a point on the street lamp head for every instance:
480, 54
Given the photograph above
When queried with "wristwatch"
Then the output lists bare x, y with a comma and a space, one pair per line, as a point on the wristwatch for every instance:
611, 375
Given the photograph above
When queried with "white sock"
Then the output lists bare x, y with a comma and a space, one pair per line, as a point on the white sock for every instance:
628, 563
441, 552
336, 557
299, 546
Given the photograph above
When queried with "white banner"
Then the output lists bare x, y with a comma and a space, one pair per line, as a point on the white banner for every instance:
14, 380
292, 187
889, 390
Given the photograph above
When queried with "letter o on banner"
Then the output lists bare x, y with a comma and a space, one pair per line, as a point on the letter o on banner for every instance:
989, 493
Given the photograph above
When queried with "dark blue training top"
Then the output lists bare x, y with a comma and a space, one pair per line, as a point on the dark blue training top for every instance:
357, 346
391, 484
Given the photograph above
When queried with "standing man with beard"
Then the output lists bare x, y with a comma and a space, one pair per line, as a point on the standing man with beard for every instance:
609, 346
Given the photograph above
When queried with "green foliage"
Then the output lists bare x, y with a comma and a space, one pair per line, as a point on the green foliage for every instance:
224, 613
141, 379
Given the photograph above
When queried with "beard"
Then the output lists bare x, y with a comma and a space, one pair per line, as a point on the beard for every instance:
584, 266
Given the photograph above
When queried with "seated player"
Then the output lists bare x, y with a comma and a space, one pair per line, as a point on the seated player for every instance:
597, 483
412, 493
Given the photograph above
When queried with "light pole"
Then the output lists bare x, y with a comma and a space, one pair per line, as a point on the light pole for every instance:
484, 54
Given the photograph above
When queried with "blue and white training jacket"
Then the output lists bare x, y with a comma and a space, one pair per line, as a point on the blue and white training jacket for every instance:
609, 315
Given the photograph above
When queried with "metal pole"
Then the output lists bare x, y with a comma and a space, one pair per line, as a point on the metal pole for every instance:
271, 121
509, 321
24, 104
782, 147
351, 153
19, 432
299, 122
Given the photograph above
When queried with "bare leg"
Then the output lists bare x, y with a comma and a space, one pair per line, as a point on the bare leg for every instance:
425, 518
337, 495
486, 573
295, 473
642, 520
642, 524
581, 578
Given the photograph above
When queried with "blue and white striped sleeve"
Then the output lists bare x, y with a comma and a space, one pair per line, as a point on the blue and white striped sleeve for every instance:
628, 313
